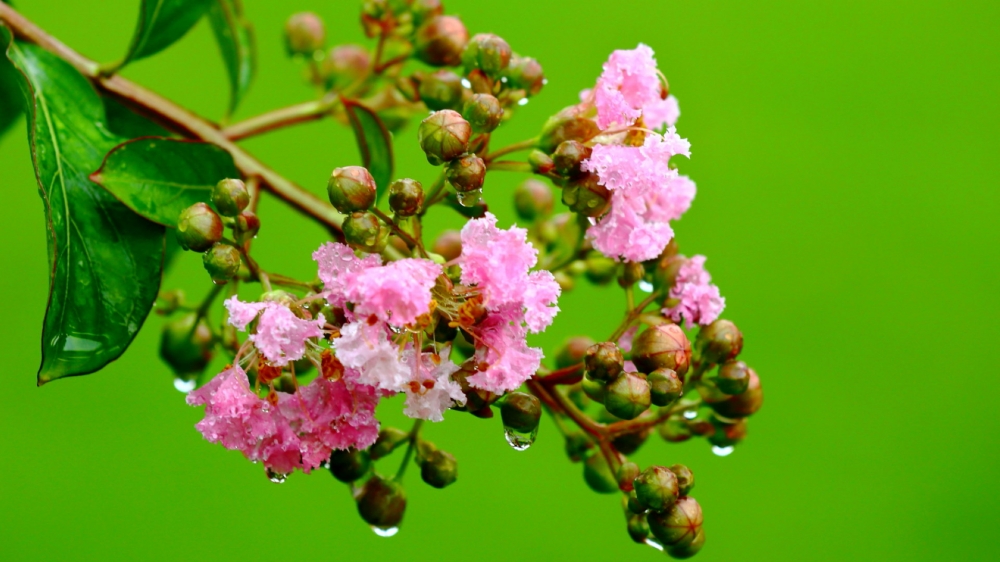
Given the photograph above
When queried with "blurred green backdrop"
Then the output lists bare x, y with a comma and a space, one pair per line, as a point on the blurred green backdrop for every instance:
846, 159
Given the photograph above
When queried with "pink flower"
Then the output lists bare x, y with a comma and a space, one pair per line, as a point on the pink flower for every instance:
541, 291
432, 390
397, 292
337, 268
661, 112
629, 82
626, 339
505, 350
242, 313
234, 415
367, 348
281, 336
699, 302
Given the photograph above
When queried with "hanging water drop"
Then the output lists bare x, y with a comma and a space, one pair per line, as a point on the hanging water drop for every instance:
520, 441
184, 386
276, 477
654, 544
690, 414
723, 451
470, 198
645, 286
385, 531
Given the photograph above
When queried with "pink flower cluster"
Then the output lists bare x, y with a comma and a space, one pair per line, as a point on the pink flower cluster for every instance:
281, 336
630, 87
698, 300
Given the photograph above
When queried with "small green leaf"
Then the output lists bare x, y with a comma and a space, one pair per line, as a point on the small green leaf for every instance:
236, 41
11, 98
158, 178
161, 23
374, 141
105, 260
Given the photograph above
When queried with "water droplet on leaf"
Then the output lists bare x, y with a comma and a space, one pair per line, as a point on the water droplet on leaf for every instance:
520, 441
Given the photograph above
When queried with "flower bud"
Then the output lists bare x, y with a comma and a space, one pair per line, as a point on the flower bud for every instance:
423, 10
185, 346
632, 504
540, 162
483, 112
568, 157
627, 396
198, 227
222, 262
665, 387
663, 346
600, 269
486, 52
679, 525
363, 230
685, 478
526, 74
441, 90
448, 244
444, 136
627, 473
577, 445
675, 431
603, 361
586, 196
351, 189
728, 434
349, 465
388, 439
632, 273
230, 197
734, 377
629, 443
689, 549
665, 272
568, 124
406, 197
719, 342
467, 173
476, 399
742, 405
598, 475
521, 412
533, 199
656, 488
439, 469
573, 351
441, 40
246, 226
595, 390
382, 502
304, 34
344, 65
638, 529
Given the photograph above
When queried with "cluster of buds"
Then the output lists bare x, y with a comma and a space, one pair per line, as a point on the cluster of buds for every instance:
200, 228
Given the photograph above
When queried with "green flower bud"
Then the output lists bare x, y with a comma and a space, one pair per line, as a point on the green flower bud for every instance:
675, 431
638, 529
568, 157
595, 390
598, 476
448, 244
441, 90
349, 465
439, 469
586, 196
665, 387
521, 412
630, 442
627, 396
185, 346
444, 136
742, 405
632, 503
351, 189
345, 65
526, 74
577, 445
540, 162
603, 361
246, 226
600, 269
689, 549
388, 439
627, 473
304, 34
486, 52
573, 351
423, 10
441, 40
728, 434
685, 478
466, 173
734, 377
423, 450
663, 346
533, 199
230, 197
719, 342
568, 124
632, 273
169, 301
679, 525
364, 231
656, 488
406, 197
382, 502
483, 112
665, 273
198, 227
222, 262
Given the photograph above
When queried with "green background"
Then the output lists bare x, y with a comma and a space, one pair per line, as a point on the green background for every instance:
847, 165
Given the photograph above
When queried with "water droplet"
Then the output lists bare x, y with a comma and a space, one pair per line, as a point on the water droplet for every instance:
470, 198
276, 477
654, 544
519, 441
522, 101
385, 531
466, 83
395, 329
723, 451
183, 385
645, 286
690, 414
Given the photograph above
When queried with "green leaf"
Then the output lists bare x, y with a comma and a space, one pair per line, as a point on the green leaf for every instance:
105, 260
236, 41
124, 122
11, 98
158, 178
161, 23
374, 141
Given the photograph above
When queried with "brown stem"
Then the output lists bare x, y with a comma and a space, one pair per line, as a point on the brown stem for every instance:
632, 315
298, 113
509, 166
566, 375
517, 146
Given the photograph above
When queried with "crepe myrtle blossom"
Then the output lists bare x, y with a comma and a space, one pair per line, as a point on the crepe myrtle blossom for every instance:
698, 300
280, 335
631, 87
